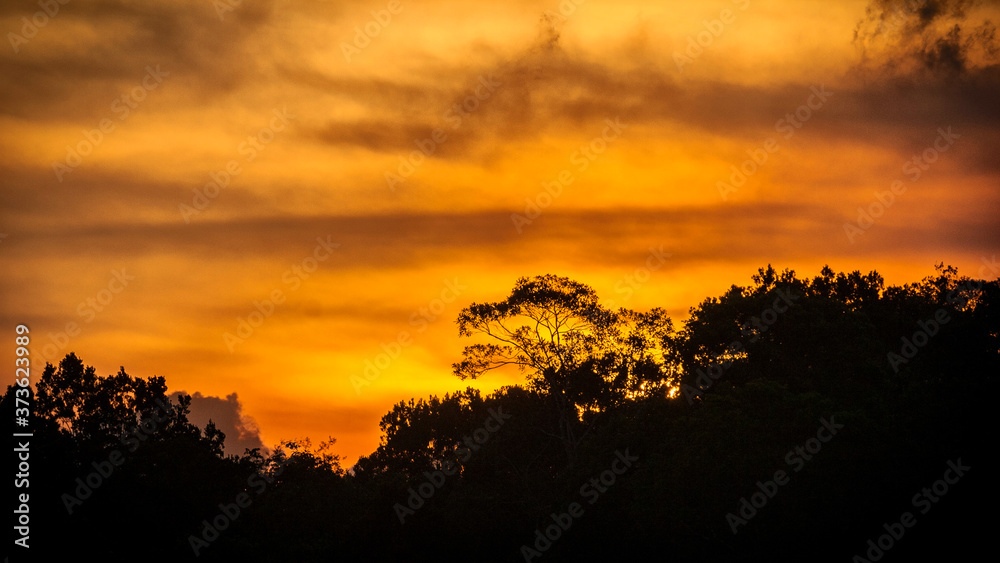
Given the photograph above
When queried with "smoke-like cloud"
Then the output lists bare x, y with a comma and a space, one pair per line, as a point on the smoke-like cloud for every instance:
241, 430
937, 38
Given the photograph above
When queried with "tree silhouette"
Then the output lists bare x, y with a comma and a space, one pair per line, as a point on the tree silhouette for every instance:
598, 385
587, 357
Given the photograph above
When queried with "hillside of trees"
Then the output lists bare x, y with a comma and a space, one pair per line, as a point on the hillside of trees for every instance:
795, 419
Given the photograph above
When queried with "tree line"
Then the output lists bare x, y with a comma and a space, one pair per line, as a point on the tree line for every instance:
795, 418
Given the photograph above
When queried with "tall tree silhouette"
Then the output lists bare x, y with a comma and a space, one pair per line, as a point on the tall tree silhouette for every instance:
585, 356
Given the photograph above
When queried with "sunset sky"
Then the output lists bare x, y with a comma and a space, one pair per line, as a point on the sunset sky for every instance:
358, 172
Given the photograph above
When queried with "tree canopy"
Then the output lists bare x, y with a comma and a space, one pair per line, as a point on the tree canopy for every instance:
557, 331
906, 374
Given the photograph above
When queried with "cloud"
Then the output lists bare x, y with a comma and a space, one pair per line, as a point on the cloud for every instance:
402, 241
937, 38
80, 61
227, 414
548, 90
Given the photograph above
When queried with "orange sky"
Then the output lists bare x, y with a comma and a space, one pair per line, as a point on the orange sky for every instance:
169, 167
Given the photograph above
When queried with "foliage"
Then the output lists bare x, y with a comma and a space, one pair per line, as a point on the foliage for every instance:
597, 383
556, 329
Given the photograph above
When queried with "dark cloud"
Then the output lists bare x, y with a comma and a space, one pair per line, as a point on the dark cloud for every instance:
379, 135
227, 414
892, 98
46, 80
32, 197
407, 240
913, 38
550, 29
889, 114
924, 38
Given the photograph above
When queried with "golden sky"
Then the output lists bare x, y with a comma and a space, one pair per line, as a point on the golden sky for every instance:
347, 176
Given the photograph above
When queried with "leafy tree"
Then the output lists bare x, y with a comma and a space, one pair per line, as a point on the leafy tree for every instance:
584, 355
107, 448
99, 411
